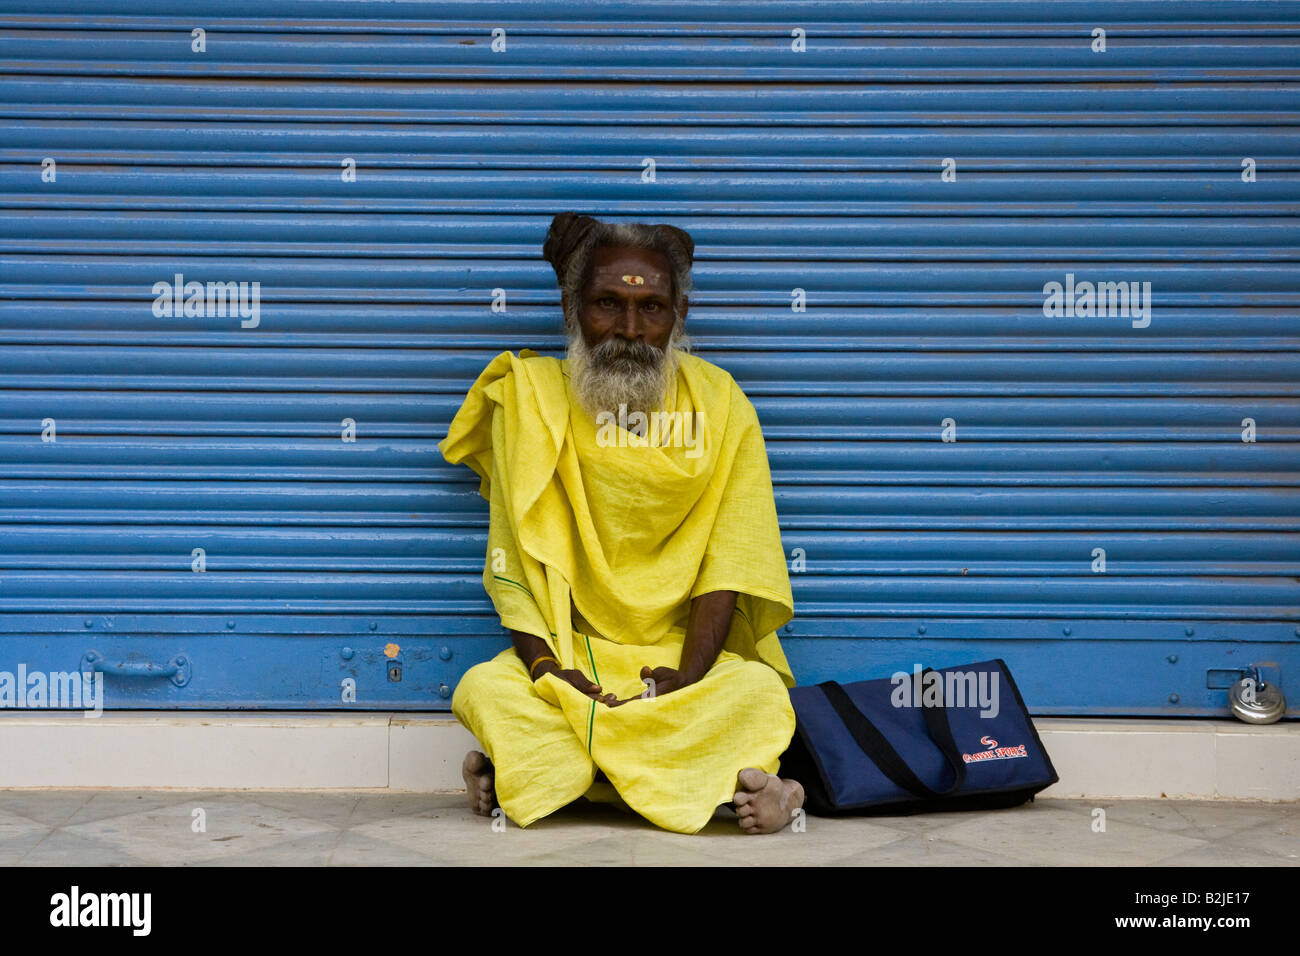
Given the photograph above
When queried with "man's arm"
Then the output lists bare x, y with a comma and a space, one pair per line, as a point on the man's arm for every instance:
706, 632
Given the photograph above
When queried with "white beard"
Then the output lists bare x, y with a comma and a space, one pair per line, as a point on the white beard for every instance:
617, 373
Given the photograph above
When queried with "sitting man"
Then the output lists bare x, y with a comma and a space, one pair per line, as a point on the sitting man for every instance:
633, 554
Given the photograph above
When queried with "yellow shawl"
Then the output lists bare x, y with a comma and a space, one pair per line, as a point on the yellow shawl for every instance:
628, 534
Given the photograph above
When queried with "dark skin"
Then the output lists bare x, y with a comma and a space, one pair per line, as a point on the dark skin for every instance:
613, 306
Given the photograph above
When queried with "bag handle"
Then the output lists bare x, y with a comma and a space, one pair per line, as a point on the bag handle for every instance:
882, 753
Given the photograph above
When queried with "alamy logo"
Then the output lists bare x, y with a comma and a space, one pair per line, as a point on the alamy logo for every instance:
1101, 299
66, 690
211, 300
102, 909
660, 428
953, 688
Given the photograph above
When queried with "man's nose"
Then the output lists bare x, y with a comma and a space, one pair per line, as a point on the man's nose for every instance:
630, 324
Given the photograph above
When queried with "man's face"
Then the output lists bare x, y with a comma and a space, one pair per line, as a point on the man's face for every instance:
629, 298
620, 351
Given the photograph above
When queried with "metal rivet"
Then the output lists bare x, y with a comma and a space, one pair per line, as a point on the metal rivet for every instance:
90, 623
921, 629
374, 626
1173, 698
444, 653
1065, 631
180, 660
347, 653
230, 625
789, 628
1189, 631
444, 690
1172, 658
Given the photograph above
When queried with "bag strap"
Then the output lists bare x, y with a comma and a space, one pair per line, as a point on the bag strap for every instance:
882, 753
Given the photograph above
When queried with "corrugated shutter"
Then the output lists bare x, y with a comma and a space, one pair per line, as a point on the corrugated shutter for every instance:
818, 170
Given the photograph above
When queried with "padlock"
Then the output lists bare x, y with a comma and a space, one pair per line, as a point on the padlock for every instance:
1256, 702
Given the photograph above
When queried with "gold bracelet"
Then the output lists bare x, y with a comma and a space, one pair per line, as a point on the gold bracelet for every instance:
544, 657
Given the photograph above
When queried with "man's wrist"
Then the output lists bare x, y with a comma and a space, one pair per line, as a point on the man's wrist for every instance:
691, 675
544, 664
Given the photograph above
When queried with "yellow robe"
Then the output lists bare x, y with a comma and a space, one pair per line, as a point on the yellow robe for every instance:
625, 534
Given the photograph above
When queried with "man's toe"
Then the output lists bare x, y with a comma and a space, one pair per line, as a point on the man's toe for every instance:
751, 778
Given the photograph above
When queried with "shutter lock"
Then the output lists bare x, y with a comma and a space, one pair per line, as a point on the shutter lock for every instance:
1254, 692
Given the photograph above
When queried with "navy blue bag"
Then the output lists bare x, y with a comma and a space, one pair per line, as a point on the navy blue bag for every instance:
916, 745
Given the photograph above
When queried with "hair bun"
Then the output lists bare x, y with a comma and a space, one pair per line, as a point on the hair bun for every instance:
681, 238
568, 229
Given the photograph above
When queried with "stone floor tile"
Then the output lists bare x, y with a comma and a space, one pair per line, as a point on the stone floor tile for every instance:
61, 848
1051, 835
104, 804
627, 849
1280, 838
13, 824
1202, 819
164, 835
50, 807
919, 850
14, 848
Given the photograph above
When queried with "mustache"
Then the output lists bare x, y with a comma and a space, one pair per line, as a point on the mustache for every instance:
619, 349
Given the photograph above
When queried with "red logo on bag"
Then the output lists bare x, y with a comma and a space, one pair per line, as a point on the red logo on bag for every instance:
994, 752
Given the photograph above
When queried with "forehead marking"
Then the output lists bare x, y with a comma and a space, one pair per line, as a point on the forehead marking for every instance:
634, 280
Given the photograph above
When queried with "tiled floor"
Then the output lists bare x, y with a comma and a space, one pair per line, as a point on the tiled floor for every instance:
348, 828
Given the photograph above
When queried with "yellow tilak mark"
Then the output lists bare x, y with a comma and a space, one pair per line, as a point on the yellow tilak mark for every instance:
634, 280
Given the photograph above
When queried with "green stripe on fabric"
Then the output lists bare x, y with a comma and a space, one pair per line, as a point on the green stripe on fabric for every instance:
591, 717
515, 583
594, 676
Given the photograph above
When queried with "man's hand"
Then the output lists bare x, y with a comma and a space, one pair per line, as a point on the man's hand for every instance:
577, 679
532, 649
665, 680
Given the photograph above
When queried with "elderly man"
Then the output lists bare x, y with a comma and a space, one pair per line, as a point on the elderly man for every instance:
634, 556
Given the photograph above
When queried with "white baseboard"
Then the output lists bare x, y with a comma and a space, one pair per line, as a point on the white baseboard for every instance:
1098, 758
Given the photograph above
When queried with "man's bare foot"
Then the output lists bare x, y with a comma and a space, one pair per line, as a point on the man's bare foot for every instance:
765, 802
478, 773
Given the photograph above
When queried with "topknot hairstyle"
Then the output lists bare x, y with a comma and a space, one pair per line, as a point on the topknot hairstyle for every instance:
573, 236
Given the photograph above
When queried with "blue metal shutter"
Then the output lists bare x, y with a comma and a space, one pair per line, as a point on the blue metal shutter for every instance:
816, 170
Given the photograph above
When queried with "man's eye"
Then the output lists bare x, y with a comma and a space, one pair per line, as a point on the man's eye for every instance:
605, 302
653, 306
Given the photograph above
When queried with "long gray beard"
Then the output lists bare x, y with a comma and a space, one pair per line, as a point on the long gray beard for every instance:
618, 372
